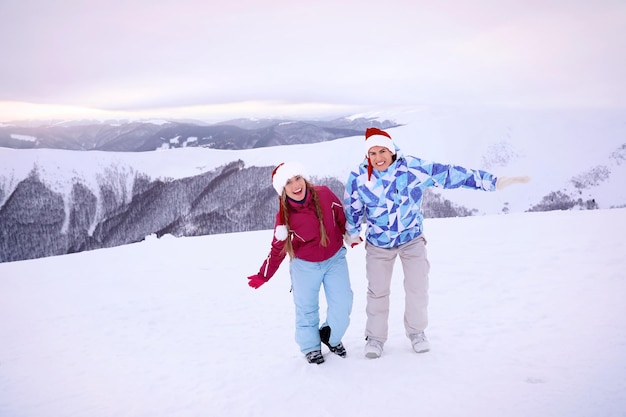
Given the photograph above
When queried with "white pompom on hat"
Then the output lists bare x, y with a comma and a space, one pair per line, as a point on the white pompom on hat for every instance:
284, 172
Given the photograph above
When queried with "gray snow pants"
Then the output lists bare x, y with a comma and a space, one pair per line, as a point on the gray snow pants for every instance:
379, 268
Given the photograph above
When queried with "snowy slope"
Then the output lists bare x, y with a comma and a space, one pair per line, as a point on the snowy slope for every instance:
550, 147
526, 320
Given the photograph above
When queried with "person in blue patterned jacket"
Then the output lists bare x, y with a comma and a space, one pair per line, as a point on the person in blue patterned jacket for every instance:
386, 191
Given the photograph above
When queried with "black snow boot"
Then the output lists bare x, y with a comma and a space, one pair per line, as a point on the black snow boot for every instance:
315, 356
325, 337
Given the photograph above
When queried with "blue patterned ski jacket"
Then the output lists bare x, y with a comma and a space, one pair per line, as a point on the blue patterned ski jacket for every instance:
391, 201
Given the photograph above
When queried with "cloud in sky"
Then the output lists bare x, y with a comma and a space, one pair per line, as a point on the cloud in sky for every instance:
193, 56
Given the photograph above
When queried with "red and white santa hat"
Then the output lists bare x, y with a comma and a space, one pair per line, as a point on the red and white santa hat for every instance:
281, 174
284, 172
376, 137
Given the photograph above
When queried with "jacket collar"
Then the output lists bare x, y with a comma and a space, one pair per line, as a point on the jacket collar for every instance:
300, 205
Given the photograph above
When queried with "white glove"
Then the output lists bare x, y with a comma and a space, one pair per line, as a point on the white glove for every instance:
352, 241
502, 182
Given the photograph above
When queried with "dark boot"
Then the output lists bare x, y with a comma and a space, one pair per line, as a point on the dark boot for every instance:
325, 337
315, 356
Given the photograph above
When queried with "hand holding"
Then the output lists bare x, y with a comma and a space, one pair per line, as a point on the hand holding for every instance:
506, 181
352, 241
255, 281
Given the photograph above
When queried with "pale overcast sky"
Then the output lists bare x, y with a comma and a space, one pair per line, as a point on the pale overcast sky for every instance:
202, 58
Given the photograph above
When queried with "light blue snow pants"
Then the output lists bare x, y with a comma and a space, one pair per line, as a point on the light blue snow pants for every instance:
306, 281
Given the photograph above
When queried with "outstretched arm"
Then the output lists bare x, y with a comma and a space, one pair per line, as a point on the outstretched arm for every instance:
451, 176
273, 260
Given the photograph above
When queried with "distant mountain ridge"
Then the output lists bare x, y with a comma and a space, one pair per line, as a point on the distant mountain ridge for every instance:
58, 201
138, 136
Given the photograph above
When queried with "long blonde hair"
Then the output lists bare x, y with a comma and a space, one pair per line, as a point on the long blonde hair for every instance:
284, 210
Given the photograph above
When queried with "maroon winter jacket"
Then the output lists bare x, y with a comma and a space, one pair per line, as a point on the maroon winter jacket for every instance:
304, 229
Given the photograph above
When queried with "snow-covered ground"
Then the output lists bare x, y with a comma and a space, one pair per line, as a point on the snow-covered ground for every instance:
526, 319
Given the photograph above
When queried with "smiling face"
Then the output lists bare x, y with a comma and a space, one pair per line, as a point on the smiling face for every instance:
380, 157
296, 188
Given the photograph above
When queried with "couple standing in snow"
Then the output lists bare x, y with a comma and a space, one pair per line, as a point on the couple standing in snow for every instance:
312, 225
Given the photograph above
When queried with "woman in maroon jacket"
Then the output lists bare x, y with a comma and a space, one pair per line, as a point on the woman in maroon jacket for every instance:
310, 226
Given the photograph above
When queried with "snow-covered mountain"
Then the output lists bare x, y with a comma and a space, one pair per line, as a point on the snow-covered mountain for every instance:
151, 135
58, 201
